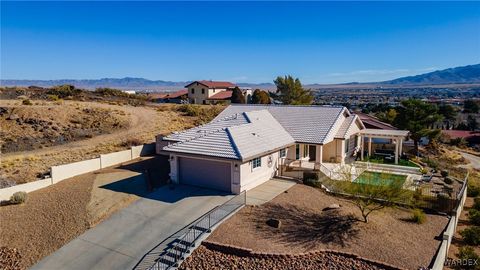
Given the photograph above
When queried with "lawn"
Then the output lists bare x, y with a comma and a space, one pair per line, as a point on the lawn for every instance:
381, 179
389, 236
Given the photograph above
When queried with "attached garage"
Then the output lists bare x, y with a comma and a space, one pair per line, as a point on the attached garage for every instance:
205, 173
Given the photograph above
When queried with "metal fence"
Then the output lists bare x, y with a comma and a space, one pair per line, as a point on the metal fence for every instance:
176, 252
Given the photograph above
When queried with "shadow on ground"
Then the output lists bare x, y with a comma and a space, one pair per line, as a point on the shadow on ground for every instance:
305, 228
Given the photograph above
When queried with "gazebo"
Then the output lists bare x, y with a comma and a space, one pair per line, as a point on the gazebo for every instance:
397, 136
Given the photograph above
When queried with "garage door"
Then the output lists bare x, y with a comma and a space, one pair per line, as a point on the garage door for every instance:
205, 173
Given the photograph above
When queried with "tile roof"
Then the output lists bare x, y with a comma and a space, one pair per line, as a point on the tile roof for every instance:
264, 134
222, 95
178, 94
213, 84
215, 125
373, 122
342, 131
306, 124
260, 133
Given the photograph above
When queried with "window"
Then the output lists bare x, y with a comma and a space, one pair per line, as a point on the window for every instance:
203, 90
256, 162
283, 152
297, 151
193, 91
347, 144
305, 150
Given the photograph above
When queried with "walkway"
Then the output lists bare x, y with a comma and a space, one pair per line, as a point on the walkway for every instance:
474, 161
122, 240
267, 191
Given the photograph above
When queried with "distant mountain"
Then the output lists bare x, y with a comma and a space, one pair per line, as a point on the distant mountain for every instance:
465, 74
123, 83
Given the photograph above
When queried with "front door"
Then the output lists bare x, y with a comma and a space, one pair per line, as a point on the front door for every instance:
311, 152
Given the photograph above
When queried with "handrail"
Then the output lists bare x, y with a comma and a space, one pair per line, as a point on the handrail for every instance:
196, 229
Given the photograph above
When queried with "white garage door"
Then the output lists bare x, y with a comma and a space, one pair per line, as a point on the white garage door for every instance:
205, 173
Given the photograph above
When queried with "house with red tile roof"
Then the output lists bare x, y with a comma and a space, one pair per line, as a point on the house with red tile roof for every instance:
175, 97
202, 92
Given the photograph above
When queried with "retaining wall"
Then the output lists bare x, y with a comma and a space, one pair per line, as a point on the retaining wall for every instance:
65, 171
62, 172
6, 193
442, 253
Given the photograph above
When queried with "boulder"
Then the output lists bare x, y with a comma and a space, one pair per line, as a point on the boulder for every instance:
275, 223
332, 207
12, 117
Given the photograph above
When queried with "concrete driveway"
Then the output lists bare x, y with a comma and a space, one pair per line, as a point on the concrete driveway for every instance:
121, 241
474, 161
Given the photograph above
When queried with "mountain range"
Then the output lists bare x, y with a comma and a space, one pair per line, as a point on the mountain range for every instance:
458, 75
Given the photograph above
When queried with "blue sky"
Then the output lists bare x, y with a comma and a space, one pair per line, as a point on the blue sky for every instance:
324, 42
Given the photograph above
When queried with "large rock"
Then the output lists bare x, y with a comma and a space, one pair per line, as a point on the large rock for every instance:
12, 117
332, 207
275, 223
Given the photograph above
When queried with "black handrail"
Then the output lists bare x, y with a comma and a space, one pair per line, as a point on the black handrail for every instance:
213, 217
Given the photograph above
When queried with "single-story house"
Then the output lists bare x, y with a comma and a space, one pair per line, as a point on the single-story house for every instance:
245, 144
175, 97
471, 137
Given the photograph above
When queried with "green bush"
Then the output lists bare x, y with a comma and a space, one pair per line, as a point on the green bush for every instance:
448, 180
18, 197
431, 163
53, 97
472, 190
444, 173
418, 216
471, 235
27, 102
476, 203
468, 257
474, 216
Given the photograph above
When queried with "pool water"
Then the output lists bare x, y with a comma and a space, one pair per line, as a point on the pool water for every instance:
381, 179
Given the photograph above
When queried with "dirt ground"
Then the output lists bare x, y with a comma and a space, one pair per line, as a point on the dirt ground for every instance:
134, 125
388, 237
55, 215
463, 223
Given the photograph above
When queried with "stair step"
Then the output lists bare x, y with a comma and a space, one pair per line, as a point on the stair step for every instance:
199, 228
166, 262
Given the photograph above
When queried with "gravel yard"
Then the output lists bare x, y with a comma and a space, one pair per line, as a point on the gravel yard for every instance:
207, 259
388, 237
53, 216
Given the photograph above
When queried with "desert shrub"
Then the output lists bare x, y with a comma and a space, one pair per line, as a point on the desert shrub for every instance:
418, 216
473, 190
423, 170
476, 203
460, 142
471, 235
53, 97
132, 142
468, 257
474, 216
444, 173
63, 91
204, 113
27, 102
430, 162
448, 181
18, 197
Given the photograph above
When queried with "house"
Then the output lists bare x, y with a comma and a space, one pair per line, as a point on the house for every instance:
471, 137
175, 97
245, 145
201, 92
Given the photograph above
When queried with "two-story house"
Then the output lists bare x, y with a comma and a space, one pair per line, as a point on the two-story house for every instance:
201, 92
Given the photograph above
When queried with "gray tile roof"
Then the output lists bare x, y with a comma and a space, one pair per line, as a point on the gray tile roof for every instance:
260, 134
264, 134
218, 123
306, 124
342, 131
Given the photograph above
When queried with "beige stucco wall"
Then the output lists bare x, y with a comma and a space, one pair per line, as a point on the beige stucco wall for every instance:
250, 178
197, 97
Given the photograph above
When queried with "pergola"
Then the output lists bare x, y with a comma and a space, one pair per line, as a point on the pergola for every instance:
396, 135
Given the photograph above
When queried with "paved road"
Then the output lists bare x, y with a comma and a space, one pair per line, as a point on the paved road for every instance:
121, 241
474, 161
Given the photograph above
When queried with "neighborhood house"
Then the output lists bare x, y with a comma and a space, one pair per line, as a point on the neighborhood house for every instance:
245, 144
212, 92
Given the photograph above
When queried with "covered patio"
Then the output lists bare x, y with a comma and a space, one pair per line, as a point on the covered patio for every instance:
394, 136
